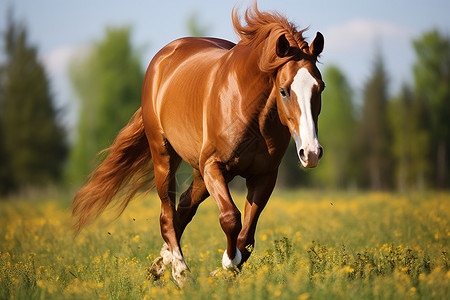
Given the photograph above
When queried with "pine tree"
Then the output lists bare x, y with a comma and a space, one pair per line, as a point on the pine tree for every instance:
374, 136
33, 140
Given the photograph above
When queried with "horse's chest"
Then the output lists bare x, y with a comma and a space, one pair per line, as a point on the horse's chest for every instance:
255, 156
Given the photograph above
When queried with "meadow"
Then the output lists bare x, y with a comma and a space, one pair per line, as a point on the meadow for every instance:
309, 245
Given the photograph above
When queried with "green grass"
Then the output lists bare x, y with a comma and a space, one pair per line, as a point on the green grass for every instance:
309, 245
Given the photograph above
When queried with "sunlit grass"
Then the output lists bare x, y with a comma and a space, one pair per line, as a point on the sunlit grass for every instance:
308, 245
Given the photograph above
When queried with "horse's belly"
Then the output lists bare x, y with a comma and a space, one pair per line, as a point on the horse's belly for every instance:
182, 127
186, 144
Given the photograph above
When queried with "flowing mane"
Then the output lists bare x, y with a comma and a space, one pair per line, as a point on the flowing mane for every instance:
265, 27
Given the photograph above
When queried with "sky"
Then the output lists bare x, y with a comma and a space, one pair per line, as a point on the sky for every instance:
354, 30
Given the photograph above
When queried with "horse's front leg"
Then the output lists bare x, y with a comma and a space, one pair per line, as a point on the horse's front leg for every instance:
214, 175
260, 188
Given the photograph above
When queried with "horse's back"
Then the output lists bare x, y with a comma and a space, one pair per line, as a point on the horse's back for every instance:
175, 87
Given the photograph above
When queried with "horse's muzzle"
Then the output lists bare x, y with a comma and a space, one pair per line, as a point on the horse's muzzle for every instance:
310, 159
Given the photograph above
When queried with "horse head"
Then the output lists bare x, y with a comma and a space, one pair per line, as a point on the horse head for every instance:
298, 87
291, 63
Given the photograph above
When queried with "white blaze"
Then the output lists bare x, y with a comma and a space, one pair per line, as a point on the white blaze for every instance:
305, 137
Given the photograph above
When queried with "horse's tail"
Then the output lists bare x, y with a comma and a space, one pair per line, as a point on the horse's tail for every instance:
127, 168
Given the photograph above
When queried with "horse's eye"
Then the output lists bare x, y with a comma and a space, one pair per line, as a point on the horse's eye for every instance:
283, 93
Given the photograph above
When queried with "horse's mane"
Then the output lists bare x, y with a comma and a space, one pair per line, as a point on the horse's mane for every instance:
267, 27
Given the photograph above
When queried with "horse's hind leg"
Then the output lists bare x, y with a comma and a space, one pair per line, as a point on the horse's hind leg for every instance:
166, 162
190, 200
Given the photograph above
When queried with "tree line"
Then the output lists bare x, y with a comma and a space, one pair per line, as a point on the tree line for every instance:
387, 142
397, 142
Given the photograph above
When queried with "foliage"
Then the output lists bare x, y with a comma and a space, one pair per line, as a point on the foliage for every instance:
336, 131
7, 183
108, 81
33, 147
410, 142
373, 134
291, 174
309, 245
432, 84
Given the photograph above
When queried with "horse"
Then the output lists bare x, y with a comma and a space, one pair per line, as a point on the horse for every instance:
227, 110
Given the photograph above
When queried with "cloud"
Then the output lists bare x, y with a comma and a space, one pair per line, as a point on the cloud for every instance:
57, 60
361, 32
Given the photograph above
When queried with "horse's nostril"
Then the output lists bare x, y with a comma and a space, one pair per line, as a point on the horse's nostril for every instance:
320, 152
302, 154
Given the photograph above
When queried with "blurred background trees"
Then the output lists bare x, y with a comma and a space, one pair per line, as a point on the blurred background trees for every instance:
373, 134
410, 142
337, 128
108, 81
32, 140
372, 140
432, 88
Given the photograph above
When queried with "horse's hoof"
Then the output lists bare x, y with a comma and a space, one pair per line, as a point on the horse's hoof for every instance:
181, 274
224, 273
166, 254
230, 264
214, 273
156, 271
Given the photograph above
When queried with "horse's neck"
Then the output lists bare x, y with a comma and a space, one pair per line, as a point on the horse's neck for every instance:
244, 62
247, 59
256, 85
276, 136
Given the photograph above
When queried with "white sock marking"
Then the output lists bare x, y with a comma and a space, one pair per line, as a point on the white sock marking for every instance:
228, 263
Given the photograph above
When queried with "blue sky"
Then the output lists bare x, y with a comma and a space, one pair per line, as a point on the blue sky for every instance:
353, 30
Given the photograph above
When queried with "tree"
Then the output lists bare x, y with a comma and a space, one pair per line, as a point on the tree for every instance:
410, 143
374, 135
291, 174
108, 82
432, 84
7, 183
33, 141
336, 129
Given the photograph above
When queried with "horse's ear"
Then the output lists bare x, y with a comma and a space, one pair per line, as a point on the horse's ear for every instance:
317, 45
283, 46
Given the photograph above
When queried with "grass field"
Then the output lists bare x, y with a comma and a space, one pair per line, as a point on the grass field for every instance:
309, 245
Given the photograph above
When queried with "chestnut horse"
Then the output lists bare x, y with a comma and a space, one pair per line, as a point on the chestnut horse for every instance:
226, 109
